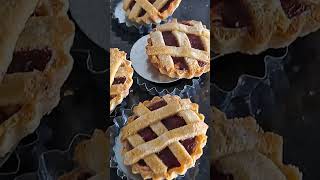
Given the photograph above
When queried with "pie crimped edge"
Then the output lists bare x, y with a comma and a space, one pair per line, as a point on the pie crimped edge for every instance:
271, 28
239, 138
156, 47
152, 14
142, 110
120, 91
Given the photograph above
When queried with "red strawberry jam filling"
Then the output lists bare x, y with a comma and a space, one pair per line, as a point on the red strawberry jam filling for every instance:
29, 60
173, 122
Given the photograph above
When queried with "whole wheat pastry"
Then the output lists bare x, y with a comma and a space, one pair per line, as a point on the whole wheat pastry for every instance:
253, 26
180, 49
163, 138
92, 159
40, 64
242, 150
149, 11
13, 16
121, 74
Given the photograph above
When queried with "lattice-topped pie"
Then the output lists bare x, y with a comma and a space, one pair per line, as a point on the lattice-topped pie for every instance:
242, 150
92, 159
253, 26
149, 11
180, 49
121, 74
164, 137
37, 67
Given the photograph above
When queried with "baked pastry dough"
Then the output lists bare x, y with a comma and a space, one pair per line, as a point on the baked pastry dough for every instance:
52, 8
253, 26
121, 74
149, 11
13, 16
163, 138
40, 64
242, 150
92, 157
180, 49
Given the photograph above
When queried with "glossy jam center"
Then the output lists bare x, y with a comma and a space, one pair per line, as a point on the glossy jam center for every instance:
230, 14
157, 105
7, 111
85, 175
170, 39
29, 60
293, 7
196, 42
202, 63
119, 80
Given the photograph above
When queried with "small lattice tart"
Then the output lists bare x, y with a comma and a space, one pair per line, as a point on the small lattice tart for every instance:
30, 88
92, 159
121, 74
149, 11
180, 49
163, 138
253, 26
242, 150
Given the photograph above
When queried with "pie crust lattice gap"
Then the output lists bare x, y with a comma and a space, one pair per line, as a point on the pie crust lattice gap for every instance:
149, 11
180, 49
164, 137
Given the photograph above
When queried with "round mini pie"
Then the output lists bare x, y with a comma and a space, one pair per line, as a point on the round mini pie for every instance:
242, 150
180, 49
149, 11
253, 26
163, 138
30, 89
121, 74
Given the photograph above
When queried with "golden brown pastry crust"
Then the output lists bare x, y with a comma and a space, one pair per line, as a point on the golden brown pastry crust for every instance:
153, 11
92, 156
36, 92
241, 148
161, 55
156, 169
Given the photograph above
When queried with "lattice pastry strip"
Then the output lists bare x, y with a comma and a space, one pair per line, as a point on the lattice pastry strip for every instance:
164, 136
121, 74
180, 49
149, 11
